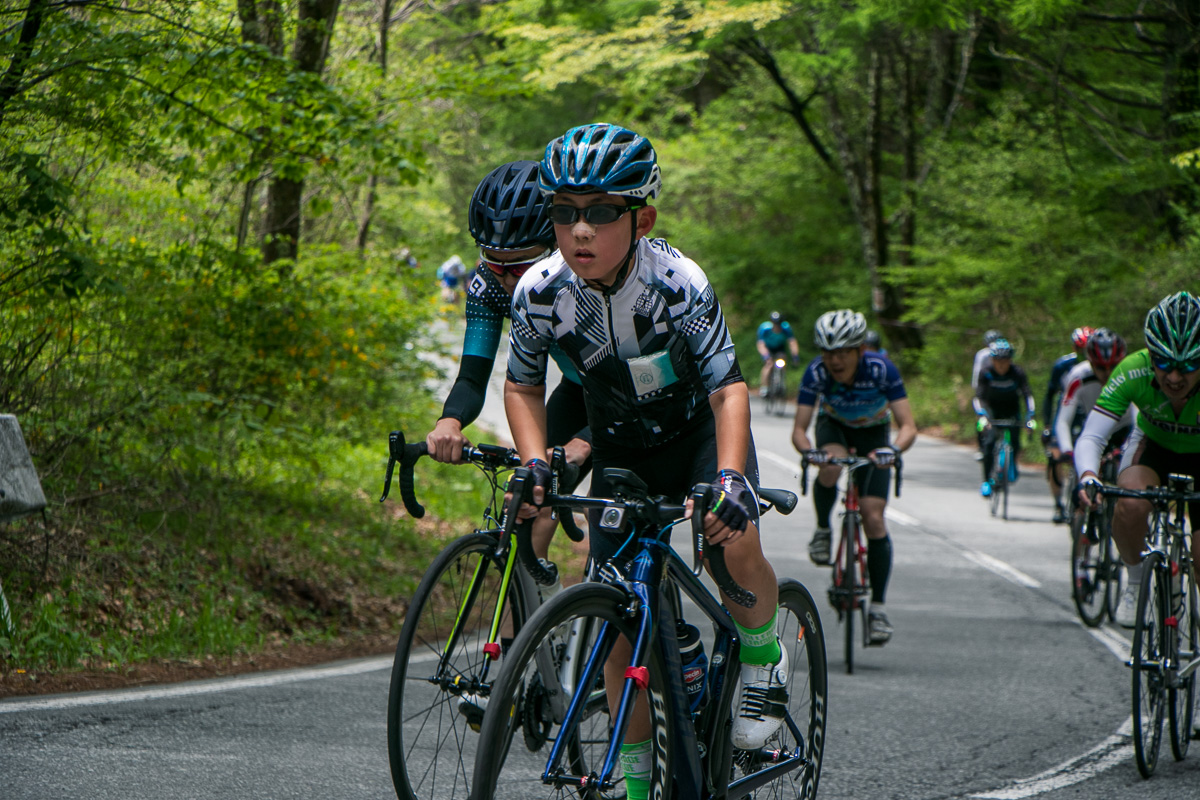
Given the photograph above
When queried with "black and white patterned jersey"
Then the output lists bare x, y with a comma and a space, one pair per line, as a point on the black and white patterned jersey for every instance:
648, 355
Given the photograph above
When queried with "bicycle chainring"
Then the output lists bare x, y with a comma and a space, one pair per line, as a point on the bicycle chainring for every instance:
537, 718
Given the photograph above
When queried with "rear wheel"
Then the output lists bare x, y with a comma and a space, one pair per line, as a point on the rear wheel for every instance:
1182, 699
439, 659
512, 766
803, 730
1149, 690
1000, 480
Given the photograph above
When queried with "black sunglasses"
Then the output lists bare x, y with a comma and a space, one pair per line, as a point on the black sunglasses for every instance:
1167, 365
600, 214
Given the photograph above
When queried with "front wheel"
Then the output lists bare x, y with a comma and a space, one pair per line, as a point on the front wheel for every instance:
440, 677
1149, 690
803, 730
511, 766
1182, 699
1089, 578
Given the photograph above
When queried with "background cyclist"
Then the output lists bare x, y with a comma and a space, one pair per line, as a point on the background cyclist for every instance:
1084, 382
1055, 391
775, 340
859, 394
983, 359
1003, 394
507, 219
873, 343
1163, 382
665, 395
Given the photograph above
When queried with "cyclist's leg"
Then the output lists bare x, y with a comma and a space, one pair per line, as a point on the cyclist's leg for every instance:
831, 438
988, 443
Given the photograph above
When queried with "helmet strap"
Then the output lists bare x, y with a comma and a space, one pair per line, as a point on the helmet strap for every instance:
618, 281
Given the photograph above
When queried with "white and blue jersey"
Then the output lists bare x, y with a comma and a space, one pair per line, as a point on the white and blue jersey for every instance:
863, 403
648, 355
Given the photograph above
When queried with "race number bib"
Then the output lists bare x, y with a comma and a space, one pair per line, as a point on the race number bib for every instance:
651, 374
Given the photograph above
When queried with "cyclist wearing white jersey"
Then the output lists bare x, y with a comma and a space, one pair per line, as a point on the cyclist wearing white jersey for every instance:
1083, 384
1163, 381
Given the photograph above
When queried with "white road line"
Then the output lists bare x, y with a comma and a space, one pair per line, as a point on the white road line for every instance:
1109, 753
1117, 644
792, 464
901, 517
193, 689
1002, 569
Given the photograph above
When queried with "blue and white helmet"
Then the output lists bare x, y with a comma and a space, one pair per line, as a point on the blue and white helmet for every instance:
1001, 348
601, 158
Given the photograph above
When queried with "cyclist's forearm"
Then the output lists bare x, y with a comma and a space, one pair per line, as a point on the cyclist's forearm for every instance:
1090, 445
907, 432
465, 400
526, 410
731, 408
800, 438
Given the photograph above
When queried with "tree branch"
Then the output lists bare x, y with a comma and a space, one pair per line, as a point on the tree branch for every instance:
35, 13
796, 108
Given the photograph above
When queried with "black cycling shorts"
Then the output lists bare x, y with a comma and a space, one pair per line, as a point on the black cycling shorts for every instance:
871, 482
670, 469
566, 415
1166, 462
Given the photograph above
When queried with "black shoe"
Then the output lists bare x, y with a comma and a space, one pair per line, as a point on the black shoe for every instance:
1060, 516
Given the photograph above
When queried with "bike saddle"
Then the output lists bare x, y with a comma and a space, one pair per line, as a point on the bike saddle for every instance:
625, 482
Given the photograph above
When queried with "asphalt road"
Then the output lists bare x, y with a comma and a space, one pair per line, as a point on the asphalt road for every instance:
989, 689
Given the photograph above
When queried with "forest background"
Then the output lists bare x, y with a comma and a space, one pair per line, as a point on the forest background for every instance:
208, 322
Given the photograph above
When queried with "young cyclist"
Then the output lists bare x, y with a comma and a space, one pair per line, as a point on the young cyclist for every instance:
1163, 381
1002, 387
859, 393
665, 396
1055, 391
507, 219
775, 339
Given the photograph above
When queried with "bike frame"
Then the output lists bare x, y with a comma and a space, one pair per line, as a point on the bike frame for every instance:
695, 777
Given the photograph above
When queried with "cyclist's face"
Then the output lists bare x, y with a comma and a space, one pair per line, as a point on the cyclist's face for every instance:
1177, 385
1102, 373
1001, 365
508, 280
595, 252
842, 363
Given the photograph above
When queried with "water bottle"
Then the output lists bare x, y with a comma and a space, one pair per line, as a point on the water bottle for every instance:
546, 593
695, 663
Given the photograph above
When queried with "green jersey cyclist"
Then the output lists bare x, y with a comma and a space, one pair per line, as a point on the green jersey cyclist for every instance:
1163, 381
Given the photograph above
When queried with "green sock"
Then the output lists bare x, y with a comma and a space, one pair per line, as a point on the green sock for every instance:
760, 645
635, 763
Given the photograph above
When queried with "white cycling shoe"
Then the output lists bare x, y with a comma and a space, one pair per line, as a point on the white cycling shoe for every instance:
763, 703
1126, 614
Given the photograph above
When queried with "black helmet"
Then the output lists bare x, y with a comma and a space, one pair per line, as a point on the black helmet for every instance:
992, 336
873, 341
507, 211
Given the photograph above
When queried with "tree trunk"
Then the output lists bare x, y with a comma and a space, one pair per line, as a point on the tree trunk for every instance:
1181, 102
10, 84
285, 196
364, 226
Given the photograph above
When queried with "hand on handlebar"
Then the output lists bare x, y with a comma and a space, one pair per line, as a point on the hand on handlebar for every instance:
815, 457
728, 516
1087, 488
446, 441
540, 476
883, 456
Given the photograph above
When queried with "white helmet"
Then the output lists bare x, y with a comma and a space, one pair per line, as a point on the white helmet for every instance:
842, 328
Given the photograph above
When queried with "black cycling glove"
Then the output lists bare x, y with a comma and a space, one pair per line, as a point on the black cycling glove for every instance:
541, 476
731, 499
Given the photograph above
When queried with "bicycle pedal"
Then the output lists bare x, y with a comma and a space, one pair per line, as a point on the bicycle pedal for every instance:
473, 714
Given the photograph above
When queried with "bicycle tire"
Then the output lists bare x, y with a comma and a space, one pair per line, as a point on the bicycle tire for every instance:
777, 392
1089, 582
1182, 698
800, 631
505, 769
1149, 691
1115, 567
850, 582
999, 480
422, 697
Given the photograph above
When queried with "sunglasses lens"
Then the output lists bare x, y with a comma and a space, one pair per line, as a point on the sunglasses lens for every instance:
1184, 367
563, 215
594, 215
